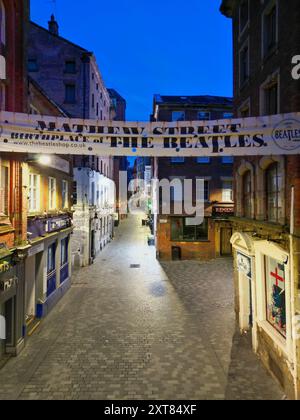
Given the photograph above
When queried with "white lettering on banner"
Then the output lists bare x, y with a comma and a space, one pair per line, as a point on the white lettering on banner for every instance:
271, 135
296, 68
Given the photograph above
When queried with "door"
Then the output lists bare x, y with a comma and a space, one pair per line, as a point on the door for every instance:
226, 247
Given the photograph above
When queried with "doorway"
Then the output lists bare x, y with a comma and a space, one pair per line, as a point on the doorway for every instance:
226, 247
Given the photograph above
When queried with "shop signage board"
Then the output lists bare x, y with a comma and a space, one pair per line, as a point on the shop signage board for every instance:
271, 135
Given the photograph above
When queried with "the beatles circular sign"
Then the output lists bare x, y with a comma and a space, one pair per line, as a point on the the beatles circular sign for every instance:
287, 134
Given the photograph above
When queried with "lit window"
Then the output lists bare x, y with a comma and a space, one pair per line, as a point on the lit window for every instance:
65, 194
275, 294
227, 195
52, 193
33, 193
273, 186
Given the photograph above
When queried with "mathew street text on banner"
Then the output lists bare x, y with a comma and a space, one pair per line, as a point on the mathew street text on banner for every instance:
272, 135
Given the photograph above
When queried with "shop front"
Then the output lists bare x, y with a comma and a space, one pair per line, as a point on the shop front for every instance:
11, 307
264, 303
48, 265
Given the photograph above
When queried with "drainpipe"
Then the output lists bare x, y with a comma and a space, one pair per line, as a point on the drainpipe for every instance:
292, 264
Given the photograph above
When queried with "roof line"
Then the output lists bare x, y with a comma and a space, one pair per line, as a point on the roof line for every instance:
60, 37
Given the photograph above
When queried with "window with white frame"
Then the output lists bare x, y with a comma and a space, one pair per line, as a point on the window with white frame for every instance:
273, 192
34, 193
178, 116
52, 193
270, 28
4, 189
227, 191
65, 194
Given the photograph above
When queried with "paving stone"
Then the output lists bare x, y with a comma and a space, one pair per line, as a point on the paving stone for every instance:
159, 332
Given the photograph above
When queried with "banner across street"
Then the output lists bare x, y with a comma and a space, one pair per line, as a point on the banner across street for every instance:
272, 135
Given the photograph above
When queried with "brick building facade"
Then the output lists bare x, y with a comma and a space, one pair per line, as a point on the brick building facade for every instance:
266, 244
13, 223
175, 238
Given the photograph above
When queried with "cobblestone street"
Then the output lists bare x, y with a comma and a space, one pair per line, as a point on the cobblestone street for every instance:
154, 332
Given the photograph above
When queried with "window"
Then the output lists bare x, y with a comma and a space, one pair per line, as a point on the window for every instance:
52, 193
178, 116
74, 193
206, 191
273, 186
33, 193
203, 160
275, 294
270, 30
228, 115
93, 101
70, 93
97, 110
227, 191
64, 252
2, 24
183, 229
177, 160
270, 93
51, 258
70, 67
32, 65
203, 116
244, 15
227, 160
4, 190
244, 64
65, 194
247, 194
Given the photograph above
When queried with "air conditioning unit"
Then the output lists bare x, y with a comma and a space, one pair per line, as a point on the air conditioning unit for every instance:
2, 68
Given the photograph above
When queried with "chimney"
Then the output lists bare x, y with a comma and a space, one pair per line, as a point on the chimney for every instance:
53, 26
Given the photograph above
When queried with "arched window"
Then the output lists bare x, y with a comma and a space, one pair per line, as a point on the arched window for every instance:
273, 192
247, 194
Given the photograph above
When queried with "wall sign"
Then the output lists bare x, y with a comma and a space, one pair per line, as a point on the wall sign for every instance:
244, 265
271, 135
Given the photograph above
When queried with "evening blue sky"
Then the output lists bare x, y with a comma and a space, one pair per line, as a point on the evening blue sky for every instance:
171, 47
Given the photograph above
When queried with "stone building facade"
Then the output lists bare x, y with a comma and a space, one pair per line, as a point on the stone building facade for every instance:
70, 76
266, 227
175, 237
